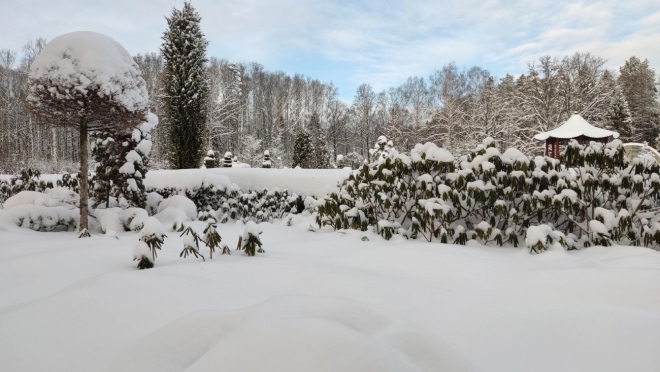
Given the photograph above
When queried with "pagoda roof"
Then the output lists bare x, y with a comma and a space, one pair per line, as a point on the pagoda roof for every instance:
575, 127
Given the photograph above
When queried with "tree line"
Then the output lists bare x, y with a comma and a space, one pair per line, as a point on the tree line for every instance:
245, 109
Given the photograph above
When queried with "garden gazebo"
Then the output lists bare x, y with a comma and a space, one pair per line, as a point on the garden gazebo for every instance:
574, 128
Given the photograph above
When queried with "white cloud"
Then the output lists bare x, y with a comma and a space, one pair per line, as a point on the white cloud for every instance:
378, 42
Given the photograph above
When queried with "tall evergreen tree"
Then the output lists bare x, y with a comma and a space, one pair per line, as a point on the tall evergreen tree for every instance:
303, 150
618, 116
185, 87
637, 82
321, 157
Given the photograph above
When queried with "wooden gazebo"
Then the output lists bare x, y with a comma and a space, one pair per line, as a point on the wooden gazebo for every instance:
574, 128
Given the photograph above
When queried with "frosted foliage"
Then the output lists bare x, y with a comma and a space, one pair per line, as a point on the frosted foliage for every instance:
251, 228
150, 124
141, 250
87, 62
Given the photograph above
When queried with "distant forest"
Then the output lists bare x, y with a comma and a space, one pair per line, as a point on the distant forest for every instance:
251, 110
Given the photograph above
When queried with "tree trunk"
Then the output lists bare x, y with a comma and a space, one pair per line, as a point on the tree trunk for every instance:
83, 176
54, 145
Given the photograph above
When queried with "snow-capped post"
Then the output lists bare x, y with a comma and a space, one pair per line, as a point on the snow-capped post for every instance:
250, 239
210, 161
227, 160
191, 243
266, 162
89, 81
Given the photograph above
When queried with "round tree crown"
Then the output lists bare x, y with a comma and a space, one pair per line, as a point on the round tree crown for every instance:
87, 77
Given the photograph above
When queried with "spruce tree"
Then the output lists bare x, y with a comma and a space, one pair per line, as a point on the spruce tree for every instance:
303, 150
637, 81
618, 116
121, 162
185, 87
321, 156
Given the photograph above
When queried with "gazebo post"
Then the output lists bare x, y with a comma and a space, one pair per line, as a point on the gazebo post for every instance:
581, 140
556, 148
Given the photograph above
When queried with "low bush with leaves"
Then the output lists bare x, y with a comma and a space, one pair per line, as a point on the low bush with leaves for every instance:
592, 195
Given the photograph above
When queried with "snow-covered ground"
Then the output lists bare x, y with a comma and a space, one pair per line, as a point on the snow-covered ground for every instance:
324, 301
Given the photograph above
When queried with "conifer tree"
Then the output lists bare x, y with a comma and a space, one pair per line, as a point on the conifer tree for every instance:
618, 116
185, 87
121, 160
303, 150
321, 158
637, 81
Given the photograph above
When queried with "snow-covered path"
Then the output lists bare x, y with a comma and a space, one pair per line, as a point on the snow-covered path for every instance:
324, 301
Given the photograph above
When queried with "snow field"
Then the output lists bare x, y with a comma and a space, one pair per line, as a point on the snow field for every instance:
324, 301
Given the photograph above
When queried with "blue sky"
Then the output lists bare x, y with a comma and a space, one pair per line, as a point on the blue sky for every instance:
354, 42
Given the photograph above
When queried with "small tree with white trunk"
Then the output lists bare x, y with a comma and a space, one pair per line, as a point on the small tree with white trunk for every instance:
88, 81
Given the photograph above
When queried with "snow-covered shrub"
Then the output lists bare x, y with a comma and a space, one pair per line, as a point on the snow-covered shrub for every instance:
540, 238
176, 209
191, 243
212, 239
153, 235
27, 180
250, 242
216, 197
153, 201
44, 218
592, 195
351, 160
142, 253
54, 210
121, 160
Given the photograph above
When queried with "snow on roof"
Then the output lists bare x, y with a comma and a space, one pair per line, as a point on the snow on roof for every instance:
574, 127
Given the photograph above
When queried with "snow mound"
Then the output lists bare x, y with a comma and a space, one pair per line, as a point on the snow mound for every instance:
40, 199
41, 218
84, 60
292, 333
117, 219
176, 207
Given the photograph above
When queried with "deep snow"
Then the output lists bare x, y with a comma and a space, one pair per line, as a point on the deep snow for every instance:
324, 301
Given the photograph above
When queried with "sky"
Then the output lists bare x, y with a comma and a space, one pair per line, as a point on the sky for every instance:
353, 42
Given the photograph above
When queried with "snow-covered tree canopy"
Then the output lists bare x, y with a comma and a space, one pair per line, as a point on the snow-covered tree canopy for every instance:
90, 78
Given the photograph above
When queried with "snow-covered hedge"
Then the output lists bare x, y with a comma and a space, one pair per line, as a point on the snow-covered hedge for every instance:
593, 195
215, 196
54, 210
